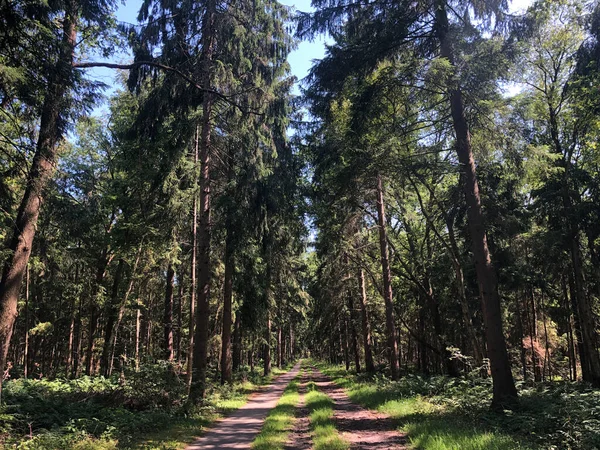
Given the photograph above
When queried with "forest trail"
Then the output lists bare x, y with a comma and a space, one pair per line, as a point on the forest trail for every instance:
239, 430
360, 427
299, 437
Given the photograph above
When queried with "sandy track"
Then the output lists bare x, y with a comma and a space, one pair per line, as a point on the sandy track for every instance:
238, 430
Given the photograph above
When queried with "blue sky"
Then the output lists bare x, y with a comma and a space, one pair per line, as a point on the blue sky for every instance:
300, 59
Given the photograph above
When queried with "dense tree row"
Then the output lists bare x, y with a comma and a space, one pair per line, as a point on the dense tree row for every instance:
170, 225
468, 215
455, 221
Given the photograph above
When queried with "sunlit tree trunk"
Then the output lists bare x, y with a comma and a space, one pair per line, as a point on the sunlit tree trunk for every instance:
168, 315
366, 326
390, 327
204, 225
226, 362
504, 391
42, 166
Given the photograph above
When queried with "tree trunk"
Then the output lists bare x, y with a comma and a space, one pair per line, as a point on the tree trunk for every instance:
586, 321
168, 315
237, 343
180, 296
94, 313
392, 345
193, 263
138, 317
353, 333
504, 391
111, 317
26, 349
226, 363
366, 326
50, 133
267, 355
204, 226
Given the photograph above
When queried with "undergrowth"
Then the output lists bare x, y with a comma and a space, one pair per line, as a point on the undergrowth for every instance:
142, 410
440, 413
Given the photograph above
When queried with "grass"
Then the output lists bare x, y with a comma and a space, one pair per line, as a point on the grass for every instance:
275, 430
430, 422
184, 430
94, 413
320, 407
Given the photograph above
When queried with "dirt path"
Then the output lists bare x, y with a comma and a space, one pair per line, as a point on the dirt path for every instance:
299, 438
362, 428
240, 429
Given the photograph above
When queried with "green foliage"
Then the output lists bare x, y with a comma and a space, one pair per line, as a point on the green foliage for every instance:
447, 413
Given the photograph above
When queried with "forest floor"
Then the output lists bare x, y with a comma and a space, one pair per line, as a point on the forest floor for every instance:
239, 429
313, 406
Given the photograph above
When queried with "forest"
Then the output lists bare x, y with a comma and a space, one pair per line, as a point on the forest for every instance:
417, 221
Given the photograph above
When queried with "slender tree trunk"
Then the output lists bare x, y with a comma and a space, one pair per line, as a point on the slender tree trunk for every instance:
94, 313
26, 350
193, 272
168, 315
122, 308
353, 333
237, 343
267, 355
204, 228
138, 317
570, 327
366, 326
111, 318
46, 153
226, 363
504, 391
392, 346
180, 296
279, 347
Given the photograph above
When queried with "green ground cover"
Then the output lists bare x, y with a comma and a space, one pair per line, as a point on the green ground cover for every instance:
441, 413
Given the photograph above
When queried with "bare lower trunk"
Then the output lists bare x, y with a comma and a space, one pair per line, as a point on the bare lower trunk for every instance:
504, 391
267, 355
193, 262
111, 318
138, 316
237, 343
204, 227
46, 153
392, 345
168, 315
226, 363
366, 326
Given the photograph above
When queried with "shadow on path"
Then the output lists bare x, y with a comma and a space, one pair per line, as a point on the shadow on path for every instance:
238, 430
362, 428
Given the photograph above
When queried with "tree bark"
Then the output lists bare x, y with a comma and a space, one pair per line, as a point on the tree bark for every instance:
111, 317
366, 326
193, 272
46, 153
168, 315
392, 345
226, 363
267, 355
504, 391
204, 227
237, 343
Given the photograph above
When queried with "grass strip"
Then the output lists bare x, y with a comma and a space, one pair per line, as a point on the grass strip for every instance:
320, 407
221, 401
430, 422
276, 428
